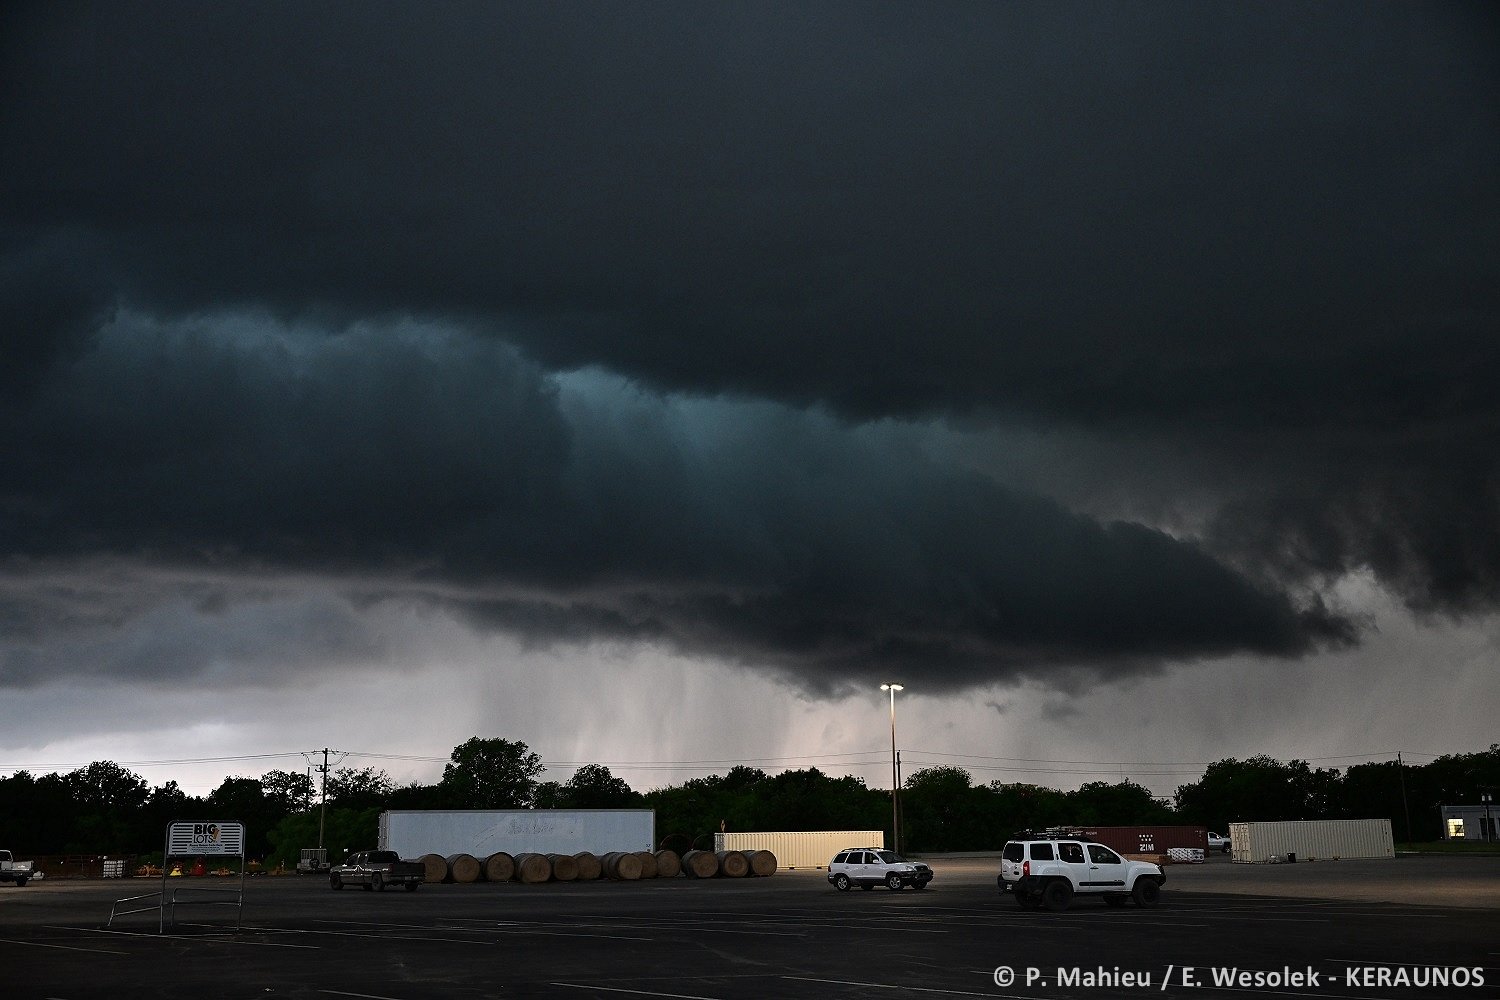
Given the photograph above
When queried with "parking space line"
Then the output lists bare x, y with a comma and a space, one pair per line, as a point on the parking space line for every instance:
913, 989
364, 996
64, 947
204, 939
697, 928
639, 993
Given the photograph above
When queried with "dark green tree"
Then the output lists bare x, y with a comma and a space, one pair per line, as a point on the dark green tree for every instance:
491, 774
941, 811
365, 788
291, 791
109, 803
1100, 803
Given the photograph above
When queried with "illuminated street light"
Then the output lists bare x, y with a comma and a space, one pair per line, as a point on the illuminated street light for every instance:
895, 781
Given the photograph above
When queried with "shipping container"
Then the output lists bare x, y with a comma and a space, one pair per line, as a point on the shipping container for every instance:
412, 833
812, 849
1310, 840
1148, 840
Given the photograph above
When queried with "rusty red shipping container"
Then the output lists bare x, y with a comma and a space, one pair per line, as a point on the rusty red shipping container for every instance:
1147, 839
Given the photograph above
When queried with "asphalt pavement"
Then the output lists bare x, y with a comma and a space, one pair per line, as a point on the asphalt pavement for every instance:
1304, 930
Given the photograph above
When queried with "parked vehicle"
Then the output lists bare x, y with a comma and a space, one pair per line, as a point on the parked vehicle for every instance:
1049, 873
868, 867
19, 872
376, 870
1218, 842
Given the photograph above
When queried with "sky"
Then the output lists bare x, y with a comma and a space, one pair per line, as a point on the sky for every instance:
649, 382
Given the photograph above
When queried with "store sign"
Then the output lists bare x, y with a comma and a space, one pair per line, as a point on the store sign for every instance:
205, 838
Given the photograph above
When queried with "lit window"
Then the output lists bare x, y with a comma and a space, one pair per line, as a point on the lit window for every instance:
1455, 829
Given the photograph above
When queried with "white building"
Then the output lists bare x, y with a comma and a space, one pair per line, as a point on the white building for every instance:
1471, 822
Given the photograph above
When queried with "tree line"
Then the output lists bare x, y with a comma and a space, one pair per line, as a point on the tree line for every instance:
104, 808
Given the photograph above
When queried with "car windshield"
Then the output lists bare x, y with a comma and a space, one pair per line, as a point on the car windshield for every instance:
891, 857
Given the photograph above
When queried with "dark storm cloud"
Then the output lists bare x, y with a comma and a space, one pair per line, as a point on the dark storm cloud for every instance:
1267, 236
429, 466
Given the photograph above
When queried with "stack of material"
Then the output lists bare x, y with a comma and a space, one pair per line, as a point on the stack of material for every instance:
533, 868
462, 868
436, 867
668, 864
589, 867
564, 867
762, 863
499, 867
700, 864
622, 865
732, 864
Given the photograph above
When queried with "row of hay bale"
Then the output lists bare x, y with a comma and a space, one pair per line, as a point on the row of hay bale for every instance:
623, 866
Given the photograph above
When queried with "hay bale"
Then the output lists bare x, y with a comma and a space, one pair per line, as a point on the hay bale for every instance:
533, 868
498, 867
564, 867
589, 867
700, 864
732, 864
621, 865
648, 863
436, 867
668, 864
462, 868
762, 863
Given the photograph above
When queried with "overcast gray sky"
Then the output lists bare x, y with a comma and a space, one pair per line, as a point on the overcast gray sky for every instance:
648, 382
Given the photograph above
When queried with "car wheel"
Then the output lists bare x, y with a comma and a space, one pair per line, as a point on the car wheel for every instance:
1146, 892
1057, 895
841, 882
893, 881
334, 882
378, 882
1111, 899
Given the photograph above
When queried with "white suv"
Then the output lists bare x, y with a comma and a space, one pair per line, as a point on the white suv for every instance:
1050, 872
868, 867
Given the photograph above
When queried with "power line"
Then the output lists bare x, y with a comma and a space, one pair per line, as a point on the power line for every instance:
846, 759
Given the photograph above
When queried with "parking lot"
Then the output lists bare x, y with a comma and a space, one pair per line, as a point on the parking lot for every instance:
788, 936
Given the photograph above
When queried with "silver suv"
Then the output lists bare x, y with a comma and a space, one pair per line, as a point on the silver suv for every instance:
868, 867
1049, 872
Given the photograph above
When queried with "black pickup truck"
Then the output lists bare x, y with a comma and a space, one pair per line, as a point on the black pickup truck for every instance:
376, 870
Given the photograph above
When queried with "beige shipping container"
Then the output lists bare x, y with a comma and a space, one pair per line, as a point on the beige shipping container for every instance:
1310, 840
800, 850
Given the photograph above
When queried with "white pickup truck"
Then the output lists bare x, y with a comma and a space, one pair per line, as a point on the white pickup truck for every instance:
11, 870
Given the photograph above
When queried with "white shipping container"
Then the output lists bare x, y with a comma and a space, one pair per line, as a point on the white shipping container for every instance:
800, 850
1310, 840
412, 833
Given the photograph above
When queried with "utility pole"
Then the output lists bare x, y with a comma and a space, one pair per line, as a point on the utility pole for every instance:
1401, 774
323, 806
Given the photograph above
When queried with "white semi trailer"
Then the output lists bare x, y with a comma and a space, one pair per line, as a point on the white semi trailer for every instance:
412, 833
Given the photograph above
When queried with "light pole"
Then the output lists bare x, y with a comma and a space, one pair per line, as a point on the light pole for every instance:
895, 781
1489, 826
